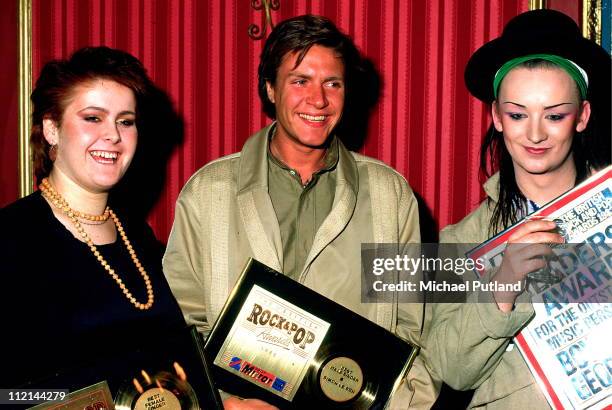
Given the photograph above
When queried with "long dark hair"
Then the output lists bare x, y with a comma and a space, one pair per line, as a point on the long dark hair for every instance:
590, 149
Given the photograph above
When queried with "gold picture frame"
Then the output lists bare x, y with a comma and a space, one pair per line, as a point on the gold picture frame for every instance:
24, 81
537, 4
590, 19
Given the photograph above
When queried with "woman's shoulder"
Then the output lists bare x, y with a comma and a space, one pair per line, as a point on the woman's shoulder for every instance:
473, 228
25, 226
27, 207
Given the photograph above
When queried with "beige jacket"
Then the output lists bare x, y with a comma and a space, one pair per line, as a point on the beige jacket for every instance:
224, 215
470, 343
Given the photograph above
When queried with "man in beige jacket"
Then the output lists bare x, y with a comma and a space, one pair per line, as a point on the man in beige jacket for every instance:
296, 199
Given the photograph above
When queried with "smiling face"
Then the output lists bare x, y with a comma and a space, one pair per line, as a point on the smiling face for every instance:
309, 98
538, 111
97, 137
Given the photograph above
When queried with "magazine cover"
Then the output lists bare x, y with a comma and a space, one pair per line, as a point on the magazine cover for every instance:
567, 344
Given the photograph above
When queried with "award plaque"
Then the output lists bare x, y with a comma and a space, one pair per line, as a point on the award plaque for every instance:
171, 374
566, 344
281, 342
97, 396
174, 375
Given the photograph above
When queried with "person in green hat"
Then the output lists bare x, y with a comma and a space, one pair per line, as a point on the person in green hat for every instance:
549, 91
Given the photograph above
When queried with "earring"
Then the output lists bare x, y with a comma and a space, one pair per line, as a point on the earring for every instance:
53, 152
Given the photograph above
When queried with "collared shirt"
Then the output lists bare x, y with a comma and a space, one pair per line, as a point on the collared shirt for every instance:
301, 209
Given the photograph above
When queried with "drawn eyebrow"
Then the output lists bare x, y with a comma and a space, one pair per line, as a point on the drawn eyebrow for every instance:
557, 105
546, 108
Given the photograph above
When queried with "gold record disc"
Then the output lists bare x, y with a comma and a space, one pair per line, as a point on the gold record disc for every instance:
157, 398
161, 391
341, 379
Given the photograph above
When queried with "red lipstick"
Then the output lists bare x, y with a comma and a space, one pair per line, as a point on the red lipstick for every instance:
536, 151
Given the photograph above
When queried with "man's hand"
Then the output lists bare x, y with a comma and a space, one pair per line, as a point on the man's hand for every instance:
525, 252
234, 403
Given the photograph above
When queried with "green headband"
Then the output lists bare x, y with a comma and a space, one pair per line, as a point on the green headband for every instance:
577, 73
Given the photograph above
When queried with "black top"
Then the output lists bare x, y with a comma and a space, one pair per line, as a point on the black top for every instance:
61, 311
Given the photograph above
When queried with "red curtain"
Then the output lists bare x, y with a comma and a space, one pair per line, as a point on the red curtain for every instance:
9, 167
425, 125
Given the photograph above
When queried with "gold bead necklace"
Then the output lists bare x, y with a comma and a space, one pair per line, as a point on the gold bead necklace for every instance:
56, 199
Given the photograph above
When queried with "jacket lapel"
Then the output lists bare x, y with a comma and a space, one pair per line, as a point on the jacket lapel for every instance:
255, 205
345, 199
491, 187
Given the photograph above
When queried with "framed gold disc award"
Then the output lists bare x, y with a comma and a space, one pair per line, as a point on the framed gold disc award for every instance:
283, 343
171, 373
